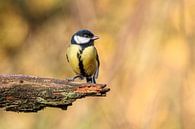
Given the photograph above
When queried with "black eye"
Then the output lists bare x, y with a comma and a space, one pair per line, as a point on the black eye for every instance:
86, 36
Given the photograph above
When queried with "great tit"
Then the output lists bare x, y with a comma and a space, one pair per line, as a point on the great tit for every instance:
83, 57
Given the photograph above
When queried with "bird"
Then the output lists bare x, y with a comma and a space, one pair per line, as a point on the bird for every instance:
83, 57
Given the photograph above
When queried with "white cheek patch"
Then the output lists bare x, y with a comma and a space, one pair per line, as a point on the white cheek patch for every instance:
81, 40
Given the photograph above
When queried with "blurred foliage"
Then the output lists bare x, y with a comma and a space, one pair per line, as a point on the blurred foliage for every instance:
146, 52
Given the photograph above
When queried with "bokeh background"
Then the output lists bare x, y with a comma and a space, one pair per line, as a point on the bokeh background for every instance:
147, 56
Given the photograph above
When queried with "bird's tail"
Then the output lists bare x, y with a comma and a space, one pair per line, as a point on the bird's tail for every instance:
91, 79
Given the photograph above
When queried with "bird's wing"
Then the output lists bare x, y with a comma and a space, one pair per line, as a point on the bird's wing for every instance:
98, 62
67, 57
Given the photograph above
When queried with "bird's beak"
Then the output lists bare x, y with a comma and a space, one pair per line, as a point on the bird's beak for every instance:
95, 38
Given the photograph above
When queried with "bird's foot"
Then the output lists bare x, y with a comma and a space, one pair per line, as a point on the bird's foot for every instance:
75, 77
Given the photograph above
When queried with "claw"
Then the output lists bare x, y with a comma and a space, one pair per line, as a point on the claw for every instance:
75, 77
70, 79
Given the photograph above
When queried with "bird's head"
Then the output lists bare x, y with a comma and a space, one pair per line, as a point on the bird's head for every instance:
83, 37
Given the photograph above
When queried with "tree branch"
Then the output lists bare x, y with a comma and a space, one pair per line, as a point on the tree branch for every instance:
23, 93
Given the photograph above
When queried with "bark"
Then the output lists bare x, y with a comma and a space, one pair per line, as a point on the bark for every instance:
24, 93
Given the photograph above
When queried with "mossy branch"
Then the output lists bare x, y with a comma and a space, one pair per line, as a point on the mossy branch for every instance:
24, 93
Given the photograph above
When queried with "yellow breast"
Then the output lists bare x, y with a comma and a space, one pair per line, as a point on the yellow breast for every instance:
88, 57
72, 57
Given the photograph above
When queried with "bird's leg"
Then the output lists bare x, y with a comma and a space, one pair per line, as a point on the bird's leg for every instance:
75, 77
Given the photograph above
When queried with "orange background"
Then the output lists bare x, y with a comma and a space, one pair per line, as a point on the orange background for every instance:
146, 50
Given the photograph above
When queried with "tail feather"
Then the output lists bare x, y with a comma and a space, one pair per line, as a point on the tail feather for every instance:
91, 79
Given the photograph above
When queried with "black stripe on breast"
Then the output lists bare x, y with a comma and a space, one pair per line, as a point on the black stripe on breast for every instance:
81, 67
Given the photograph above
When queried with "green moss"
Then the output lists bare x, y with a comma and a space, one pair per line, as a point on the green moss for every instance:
72, 95
46, 102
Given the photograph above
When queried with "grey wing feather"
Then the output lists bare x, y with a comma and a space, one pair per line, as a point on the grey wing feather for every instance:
67, 57
97, 69
96, 73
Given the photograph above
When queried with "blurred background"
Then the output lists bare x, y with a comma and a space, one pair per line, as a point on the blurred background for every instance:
146, 50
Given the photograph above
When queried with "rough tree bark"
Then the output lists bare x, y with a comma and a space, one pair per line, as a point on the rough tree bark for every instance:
24, 93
